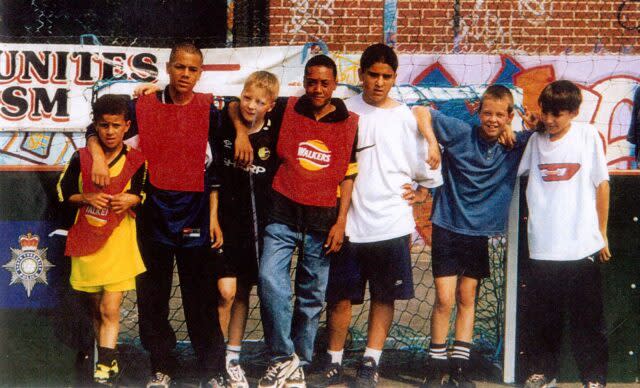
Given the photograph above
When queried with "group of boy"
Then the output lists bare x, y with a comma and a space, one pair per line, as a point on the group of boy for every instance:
281, 173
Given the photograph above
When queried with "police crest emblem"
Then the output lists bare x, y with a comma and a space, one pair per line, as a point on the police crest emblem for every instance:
28, 265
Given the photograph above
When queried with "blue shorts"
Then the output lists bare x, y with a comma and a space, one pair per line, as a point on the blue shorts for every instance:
385, 264
455, 254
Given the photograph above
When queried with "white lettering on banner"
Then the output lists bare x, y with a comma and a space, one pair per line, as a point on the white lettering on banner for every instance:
49, 87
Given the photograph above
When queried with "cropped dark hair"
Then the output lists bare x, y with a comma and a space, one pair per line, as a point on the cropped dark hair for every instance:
498, 92
111, 104
321, 60
378, 53
560, 96
186, 47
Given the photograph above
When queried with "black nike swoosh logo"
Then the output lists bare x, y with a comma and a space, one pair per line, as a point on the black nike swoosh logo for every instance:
365, 147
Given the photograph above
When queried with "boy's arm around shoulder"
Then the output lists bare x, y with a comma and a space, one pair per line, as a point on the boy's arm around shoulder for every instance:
447, 129
69, 187
423, 119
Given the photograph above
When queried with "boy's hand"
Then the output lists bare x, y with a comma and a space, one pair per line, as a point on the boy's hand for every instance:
124, 201
529, 120
100, 172
215, 232
433, 157
144, 89
336, 236
243, 152
412, 196
605, 253
507, 138
97, 200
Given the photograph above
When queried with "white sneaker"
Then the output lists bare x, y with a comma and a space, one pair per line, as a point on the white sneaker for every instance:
296, 380
159, 380
279, 371
235, 375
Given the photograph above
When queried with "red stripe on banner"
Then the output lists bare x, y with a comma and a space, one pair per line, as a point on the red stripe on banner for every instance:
221, 67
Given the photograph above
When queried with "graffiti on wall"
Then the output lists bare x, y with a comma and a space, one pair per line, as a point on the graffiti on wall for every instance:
38, 148
307, 20
495, 28
627, 15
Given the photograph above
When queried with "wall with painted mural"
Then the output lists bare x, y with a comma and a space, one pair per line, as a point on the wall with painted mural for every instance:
461, 26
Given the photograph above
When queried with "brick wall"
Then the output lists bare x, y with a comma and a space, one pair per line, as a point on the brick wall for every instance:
480, 26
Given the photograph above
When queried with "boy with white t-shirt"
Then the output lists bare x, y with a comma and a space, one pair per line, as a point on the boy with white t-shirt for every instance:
393, 174
568, 200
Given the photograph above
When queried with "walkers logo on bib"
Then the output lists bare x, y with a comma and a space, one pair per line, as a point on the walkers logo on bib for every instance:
313, 155
557, 172
96, 217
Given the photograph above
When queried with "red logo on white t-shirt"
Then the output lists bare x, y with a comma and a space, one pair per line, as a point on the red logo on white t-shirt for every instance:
555, 172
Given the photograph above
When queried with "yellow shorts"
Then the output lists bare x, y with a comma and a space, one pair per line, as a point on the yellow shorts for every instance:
125, 285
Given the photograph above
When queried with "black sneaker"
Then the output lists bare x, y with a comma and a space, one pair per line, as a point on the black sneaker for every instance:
594, 384
458, 376
107, 375
367, 376
329, 374
437, 373
278, 371
539, 380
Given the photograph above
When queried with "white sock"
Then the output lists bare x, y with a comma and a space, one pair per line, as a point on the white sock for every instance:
336, 356
232, 353
373, 353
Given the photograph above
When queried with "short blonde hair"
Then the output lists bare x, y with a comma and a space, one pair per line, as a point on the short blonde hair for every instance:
264, 80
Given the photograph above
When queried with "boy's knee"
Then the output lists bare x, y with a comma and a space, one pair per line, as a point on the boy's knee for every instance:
466, 300
227, 295
445, 302
466, 295
340, 306
109, 312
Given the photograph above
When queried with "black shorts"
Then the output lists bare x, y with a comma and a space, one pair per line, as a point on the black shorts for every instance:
455, 254
385, 264
238, 261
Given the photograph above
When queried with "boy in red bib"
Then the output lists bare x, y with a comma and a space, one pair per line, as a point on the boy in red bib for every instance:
102, 242
316, 153
174, 129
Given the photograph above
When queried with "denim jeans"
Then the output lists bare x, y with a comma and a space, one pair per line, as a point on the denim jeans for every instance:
290, 329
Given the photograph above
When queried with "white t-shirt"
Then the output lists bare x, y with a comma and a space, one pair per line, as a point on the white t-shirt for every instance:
390, 152
561, 193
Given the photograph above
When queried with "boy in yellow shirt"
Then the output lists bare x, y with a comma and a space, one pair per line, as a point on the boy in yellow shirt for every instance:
102, 242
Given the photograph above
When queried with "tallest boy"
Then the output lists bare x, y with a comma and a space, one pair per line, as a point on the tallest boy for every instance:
173, 128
